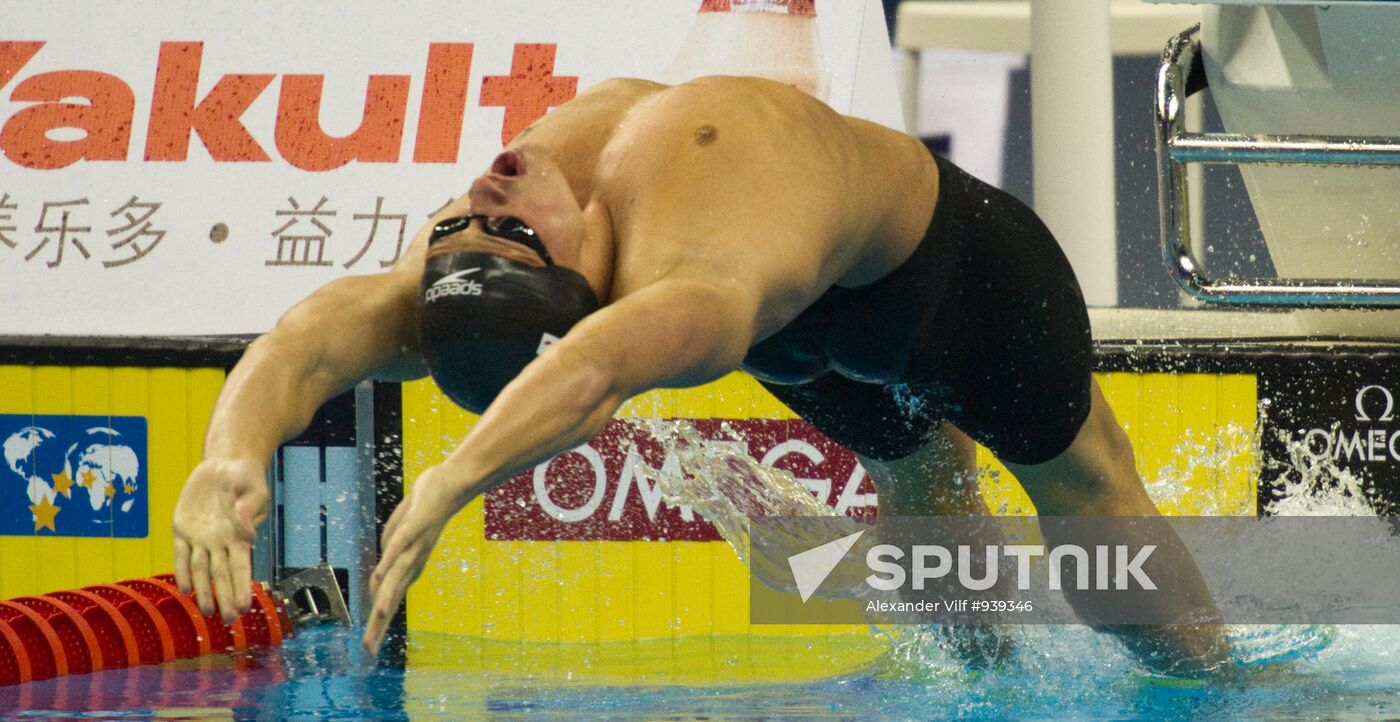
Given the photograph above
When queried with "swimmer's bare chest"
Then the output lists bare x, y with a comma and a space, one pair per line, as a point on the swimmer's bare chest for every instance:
757, 151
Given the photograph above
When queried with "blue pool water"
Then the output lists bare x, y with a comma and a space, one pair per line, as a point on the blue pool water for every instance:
1058, 672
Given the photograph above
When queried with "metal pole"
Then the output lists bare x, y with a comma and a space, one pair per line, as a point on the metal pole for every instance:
909, 89
1072, 137
1196, 185
367, 549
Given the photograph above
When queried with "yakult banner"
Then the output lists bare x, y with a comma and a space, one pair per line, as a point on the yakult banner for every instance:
191, 168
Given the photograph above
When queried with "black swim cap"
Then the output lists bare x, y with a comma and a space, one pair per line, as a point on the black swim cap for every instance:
485, 317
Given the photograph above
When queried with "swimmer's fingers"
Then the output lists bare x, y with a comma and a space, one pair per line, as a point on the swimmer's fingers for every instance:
383, 586
390, 593
405, 555
182, 565
240, 568
199, 576
378, 620
378, 624
223, 585
390, 526
385, 543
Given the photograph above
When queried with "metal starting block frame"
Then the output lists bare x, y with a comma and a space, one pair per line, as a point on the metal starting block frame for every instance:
1182, 74
313, 595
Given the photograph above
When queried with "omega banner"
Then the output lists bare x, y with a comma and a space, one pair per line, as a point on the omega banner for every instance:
613, 487
181, 168
1331, 431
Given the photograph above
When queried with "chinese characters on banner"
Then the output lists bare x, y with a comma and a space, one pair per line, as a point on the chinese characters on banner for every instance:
235, 161
129, 233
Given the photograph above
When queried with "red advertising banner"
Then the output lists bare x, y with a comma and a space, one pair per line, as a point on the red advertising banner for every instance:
608, 489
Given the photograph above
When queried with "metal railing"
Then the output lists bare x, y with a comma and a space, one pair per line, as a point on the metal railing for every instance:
1176, 148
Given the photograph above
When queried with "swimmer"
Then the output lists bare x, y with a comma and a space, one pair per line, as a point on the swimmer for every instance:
645, 236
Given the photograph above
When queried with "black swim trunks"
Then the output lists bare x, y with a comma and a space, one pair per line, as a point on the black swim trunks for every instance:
984, 325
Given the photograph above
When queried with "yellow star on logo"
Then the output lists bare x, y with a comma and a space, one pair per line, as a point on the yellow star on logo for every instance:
87, 478
130, 487
44, 513
111, 491
62, 484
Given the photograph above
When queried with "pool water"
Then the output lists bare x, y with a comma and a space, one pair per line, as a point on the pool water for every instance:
1057, 672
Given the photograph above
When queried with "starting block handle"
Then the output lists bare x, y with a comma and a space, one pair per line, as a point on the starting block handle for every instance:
1180, 75
313, 595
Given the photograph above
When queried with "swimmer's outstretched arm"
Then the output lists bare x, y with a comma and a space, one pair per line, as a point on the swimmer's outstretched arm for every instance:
671, 333
344, 332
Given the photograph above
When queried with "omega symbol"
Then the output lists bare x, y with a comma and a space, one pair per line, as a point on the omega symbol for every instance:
1386, 415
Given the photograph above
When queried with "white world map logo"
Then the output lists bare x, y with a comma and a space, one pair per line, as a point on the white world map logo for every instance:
96, 471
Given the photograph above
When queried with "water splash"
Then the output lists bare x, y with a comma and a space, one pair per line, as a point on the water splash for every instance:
1300, 484
727, 487
722, 483
1202, 455
1307, 484
1259, 645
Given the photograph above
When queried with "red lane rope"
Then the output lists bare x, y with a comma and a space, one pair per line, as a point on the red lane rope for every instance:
14, 660
46, 657
74, 633
187, 626
153, 638
126, 624
222, 637
115, 635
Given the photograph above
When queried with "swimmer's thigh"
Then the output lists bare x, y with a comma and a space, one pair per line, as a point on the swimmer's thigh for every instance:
1009, 345
938, 479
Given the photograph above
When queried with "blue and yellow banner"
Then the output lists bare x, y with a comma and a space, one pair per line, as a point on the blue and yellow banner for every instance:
74, 476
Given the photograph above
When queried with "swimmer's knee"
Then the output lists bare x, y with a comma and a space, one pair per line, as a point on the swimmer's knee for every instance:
1096, 476
938, 478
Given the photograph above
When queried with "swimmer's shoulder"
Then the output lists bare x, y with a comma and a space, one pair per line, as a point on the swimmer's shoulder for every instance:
742, 93
613, 87
580, 126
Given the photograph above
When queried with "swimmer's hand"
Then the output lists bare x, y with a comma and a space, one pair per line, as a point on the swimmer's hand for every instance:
219, 510
408, 541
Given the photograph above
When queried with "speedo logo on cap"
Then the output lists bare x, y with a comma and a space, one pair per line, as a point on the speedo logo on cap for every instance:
453, 284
